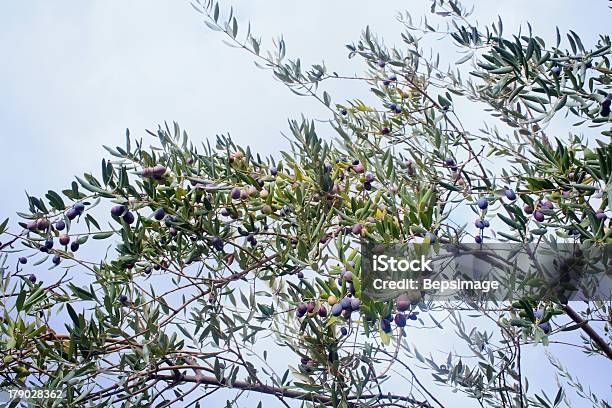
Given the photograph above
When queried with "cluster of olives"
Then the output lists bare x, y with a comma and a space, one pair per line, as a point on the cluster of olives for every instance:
538, 215
545, 326
122, 211
402, 304
45, 227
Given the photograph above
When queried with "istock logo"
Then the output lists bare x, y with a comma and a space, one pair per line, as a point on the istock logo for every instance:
491, 272
385, 263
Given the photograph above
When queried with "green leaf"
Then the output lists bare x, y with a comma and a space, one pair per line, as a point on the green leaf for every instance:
3, 226
94, 189
103, 235
79, 292
502, 70
73, 316
55, 200
510, 222
20, 299
585, 187
520, 323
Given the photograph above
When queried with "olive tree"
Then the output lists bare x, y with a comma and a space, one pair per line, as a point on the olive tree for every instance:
214, 250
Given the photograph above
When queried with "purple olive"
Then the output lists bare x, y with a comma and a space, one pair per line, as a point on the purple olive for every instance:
60, 225
155, 171
400, 320
79, 207
336, 309
218, 243
159, 214
118, 210
42, 224
128, 217
322, 311
355, 304
478, 239
539, 216
605, 107
56, 260
302, 308
510, 195
402, 303
64, 239
32, 278
74, 246
556, 70
23, 260
528, 209
385, 325
358, 168
345, 303
357, 229
482, 203
236, 193
71, 214
545, 327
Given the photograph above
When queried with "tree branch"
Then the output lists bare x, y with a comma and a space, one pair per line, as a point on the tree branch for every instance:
586, 327
283, 392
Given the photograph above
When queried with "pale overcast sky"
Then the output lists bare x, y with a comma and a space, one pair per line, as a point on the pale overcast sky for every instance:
75, 74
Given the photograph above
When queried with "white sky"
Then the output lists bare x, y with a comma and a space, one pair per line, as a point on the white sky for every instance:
74, 75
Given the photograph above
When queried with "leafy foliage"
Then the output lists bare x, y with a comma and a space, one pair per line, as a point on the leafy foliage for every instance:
214, 249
